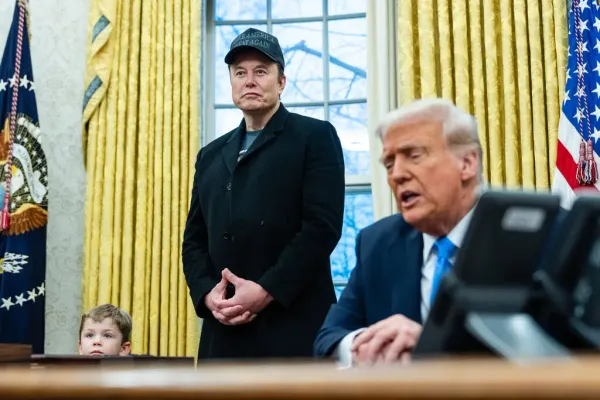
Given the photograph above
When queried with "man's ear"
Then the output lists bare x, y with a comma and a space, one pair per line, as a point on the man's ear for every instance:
282, 83
79, 347
469, 164
125, 349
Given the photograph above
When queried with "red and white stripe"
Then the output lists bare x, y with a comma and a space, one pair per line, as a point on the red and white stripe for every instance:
565, 181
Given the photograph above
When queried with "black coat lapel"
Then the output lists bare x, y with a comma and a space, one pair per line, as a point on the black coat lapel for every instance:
231, 149
273, 128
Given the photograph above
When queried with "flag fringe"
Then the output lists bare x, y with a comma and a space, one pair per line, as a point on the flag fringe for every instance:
587, 168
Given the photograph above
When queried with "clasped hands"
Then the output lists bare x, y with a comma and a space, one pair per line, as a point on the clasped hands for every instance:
249, 299
387, 341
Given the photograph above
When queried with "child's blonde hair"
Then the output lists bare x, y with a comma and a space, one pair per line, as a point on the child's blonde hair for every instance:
99, 313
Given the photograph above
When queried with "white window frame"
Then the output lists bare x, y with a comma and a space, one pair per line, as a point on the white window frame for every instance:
383, 91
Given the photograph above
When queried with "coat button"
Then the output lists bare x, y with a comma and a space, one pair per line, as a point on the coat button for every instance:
229, 186
226, 236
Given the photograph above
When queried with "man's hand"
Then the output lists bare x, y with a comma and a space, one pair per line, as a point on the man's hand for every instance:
249, 299
217, 293
387, 341
236, 315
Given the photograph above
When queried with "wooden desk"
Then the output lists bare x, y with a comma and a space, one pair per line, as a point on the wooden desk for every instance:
468, 379
14, 352
138, 361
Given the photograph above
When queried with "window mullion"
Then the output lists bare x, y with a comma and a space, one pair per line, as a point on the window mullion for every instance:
325, 61
269, 17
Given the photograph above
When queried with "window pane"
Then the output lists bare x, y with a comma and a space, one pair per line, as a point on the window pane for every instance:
358, 213
302, 46
224, 35
348, 59
296, 8
226, 119
238, 9
338, 291
337, 7
350, 121
314, 112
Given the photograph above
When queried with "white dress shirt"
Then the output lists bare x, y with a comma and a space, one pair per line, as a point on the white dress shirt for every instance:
343, 351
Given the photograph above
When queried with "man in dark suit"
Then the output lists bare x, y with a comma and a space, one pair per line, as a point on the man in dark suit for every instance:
266, 213
432, 155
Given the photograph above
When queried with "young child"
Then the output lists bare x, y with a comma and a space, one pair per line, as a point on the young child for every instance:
105, 330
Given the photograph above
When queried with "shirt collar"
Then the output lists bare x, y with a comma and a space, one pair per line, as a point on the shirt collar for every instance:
456, 235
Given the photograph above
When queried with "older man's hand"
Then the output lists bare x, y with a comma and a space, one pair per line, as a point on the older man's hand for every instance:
389, 340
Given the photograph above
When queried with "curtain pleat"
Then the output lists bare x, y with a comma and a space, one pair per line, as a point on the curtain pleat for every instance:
141, 137
501, 60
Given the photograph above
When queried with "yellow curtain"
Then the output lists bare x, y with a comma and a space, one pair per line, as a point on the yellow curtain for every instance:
141, 136
501, 60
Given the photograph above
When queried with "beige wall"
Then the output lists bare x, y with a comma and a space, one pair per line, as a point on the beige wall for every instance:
58, 53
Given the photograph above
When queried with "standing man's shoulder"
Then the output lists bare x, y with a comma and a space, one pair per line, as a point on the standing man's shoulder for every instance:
217, 143
214, 146
309, 125
320, 138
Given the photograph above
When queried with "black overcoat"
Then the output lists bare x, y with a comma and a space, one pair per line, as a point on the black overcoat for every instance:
274, 216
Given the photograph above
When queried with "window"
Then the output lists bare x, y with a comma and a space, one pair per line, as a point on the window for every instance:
324, 45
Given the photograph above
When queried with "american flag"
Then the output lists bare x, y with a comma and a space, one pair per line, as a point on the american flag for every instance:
579, 128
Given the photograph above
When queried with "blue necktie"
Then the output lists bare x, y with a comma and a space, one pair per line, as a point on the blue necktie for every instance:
445, 251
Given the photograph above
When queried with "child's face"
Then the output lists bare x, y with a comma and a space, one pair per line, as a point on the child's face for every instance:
102, 338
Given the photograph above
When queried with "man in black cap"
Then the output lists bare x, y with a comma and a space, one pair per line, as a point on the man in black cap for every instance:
266, 213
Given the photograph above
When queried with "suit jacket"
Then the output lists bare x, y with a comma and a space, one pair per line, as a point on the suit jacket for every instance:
385, 281
274, 216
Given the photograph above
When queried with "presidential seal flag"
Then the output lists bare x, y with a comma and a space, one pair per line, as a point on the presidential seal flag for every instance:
23, 194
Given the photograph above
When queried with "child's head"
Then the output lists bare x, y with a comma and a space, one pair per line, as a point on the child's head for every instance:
105, 330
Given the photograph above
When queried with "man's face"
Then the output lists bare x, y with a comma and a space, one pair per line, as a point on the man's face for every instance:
255, 83
427, 178
102, 338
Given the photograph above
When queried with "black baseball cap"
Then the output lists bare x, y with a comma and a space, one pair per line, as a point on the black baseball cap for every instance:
257, 40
